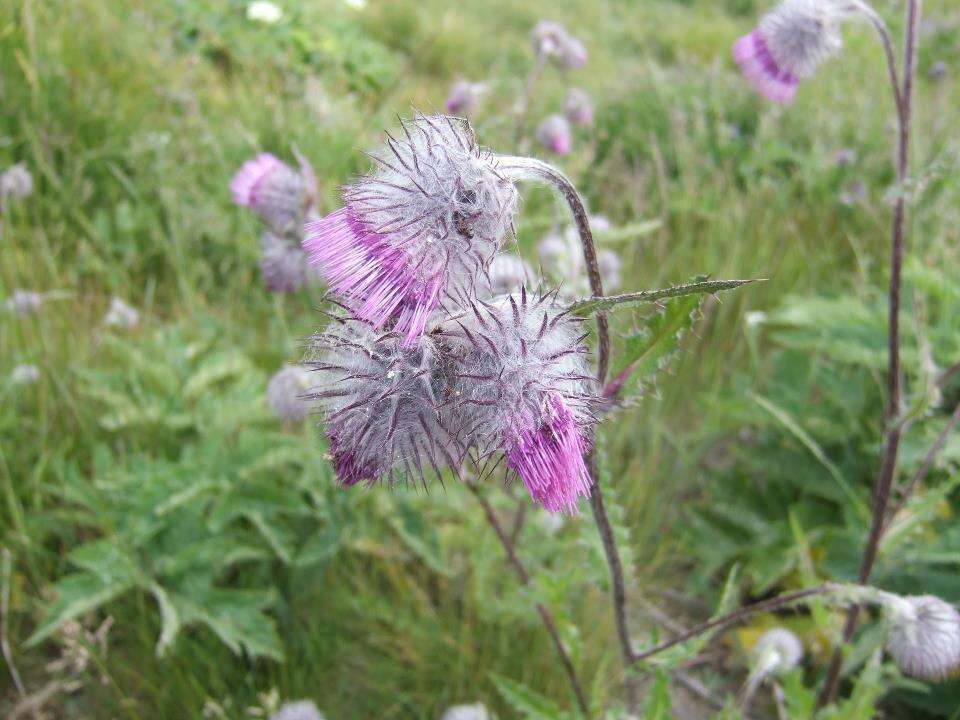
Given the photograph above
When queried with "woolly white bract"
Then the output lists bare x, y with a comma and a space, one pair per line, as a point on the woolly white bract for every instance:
924, 637
802, 34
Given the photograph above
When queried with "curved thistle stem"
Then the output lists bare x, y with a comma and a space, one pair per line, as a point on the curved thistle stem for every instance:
885, 477
523, 574
887, 42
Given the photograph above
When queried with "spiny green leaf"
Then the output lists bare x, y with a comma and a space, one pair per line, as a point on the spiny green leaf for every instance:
587, 306
236, 617
77, 594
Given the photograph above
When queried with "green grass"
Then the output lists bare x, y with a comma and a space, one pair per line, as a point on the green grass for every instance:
132, 117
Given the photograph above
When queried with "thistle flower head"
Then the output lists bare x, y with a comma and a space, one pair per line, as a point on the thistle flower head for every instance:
924, 637
24, 302
476, 711
16, 183
421, 230
280, 196
298, 710
554, 134
508, 274
121, 315
283, 264
552, 41
524, 392
382, 401
287, 393
788, 45
463, 97
578, 107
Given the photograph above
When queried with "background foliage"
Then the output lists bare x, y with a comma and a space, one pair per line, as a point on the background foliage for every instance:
143, 478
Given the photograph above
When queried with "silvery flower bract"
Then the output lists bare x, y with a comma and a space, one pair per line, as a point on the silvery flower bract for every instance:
419, 231
381, 399
924, 637
524, 390
788, 45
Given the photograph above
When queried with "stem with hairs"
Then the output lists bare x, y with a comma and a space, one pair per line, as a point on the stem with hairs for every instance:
881, 498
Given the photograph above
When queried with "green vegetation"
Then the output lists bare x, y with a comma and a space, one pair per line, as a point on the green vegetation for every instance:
143, 478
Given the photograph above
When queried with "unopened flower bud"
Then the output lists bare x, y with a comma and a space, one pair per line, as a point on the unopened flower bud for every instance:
554, 134
924, 637
287, 393
578, 107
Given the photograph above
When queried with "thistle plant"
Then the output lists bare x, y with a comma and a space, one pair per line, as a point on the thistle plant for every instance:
789, 44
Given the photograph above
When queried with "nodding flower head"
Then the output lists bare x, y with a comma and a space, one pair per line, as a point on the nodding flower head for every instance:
578, 107
508, 274
573, 55
524, 392
554, 134
382, 400
463, 97
924, 637
283, 264
281, 197
788, 45
287, 393
421, 230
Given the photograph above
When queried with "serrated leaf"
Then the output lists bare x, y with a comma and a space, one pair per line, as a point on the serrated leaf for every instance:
587, 306
77, 594
236, 617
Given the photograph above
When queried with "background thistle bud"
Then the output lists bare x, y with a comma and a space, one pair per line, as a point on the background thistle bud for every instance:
548, 39
280, 196
524, 391
578, 107
24, 302
121, 315
287, 393
16, 183
463, 97
284, 264
422, 229
924, 638
555, 135
573, 54
788, 45
382, 401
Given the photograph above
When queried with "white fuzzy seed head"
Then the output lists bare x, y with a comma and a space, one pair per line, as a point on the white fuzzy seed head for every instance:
287, 393
24, 374
382, 401
298, 710
476, 711
924, 637
438, 196
777, 651
802, 34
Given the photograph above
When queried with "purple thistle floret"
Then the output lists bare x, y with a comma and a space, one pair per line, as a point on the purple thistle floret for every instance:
788, 45
419, 232
280, 196
524, 392
555, 135
382, 401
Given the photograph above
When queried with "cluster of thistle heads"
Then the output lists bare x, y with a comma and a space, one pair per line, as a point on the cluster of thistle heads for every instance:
284, 199
437, 358
552, 44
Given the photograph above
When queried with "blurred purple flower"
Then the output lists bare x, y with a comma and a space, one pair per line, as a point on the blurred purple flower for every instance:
555, 135
578, 107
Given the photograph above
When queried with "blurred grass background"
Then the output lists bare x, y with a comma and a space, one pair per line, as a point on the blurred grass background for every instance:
132, 116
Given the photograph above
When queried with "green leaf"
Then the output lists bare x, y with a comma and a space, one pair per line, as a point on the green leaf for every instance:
587, 306
658, 700
632, 231
77, 594
236, 617
169, 619
529, 703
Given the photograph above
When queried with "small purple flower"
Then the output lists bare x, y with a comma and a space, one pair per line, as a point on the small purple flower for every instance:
788, 45
524, 392
552, 41
578, 107
463, 97
24, 302
280, 196
555, 135
382, 402
423, 229
284, 265
573, 54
